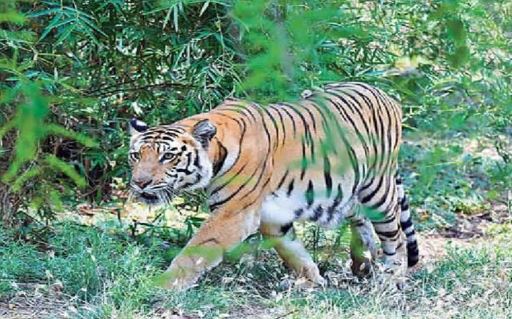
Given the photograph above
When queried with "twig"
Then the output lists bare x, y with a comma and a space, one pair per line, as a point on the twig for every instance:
108, 87
97, 93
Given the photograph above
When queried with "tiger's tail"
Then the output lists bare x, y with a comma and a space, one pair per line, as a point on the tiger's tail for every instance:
407, 225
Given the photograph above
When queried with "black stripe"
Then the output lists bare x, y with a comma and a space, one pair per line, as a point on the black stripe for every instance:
209, 240
350, 151
243, 127
183, 170
385, 196
390, 106
166, 137
309, 136
412, 253
388, 234
290, 188
221, 158
337, 200
304, 159
263, 164
318, 213
327, 175
214, 206
377, 119
368, 197
325, 123
282, 180
406, 224
283, 126
307, 132
241, 109
359, 223
196, 159
355, 110
256, 198
274, 123
404, 204
372, 136
385, 220
310, 194
218, 188
240, 121
294, 125
313, 120
410, 233
363, 120
388, 131
286, 228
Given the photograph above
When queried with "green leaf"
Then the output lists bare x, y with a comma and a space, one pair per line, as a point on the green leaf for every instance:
12, 17
65, 168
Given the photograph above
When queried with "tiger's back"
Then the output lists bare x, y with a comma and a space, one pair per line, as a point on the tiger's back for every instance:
314, 156
348, 136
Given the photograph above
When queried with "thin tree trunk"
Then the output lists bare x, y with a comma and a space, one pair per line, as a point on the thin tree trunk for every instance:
8, 203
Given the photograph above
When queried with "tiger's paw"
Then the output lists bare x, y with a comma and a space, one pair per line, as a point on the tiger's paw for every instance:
310, 277
306, 283
394, 272
302, 283
176, 278
361, 266
311, 273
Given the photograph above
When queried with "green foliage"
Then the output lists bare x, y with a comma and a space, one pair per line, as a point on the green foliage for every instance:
76, 67
87, 67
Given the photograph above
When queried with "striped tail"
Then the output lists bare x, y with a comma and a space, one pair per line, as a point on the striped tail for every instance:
407, 225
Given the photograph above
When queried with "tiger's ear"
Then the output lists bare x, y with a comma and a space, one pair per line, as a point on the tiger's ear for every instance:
203, 132
137, 127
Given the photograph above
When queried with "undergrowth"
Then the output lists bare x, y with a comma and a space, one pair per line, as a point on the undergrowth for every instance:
108, 276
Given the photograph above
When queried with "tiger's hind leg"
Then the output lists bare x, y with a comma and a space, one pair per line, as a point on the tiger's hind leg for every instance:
292, 251
380, 200
363, 250
407, 225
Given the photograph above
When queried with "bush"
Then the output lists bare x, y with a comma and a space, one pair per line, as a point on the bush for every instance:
74, 72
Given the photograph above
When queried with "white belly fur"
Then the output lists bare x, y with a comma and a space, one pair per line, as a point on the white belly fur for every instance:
279, 209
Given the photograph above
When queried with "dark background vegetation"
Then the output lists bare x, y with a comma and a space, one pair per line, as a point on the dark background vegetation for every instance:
72, 73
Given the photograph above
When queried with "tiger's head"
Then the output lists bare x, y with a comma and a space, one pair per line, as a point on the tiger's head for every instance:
168, 159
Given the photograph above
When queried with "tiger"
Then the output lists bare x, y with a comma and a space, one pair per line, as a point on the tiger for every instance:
327, 158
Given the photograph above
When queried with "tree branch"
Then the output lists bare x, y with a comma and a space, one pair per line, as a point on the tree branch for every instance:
101, 93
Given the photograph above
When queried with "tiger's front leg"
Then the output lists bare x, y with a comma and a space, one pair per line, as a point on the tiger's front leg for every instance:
221, 232
292, 251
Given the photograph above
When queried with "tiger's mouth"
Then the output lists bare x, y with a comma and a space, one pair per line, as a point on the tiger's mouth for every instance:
149, 198
154, 198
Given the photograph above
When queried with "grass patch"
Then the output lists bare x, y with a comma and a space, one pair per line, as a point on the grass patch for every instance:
449, 178
108, 275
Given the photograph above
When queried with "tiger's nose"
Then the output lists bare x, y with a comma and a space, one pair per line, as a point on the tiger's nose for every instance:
142, 183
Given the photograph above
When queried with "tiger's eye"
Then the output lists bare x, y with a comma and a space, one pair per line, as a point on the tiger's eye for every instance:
168, 156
